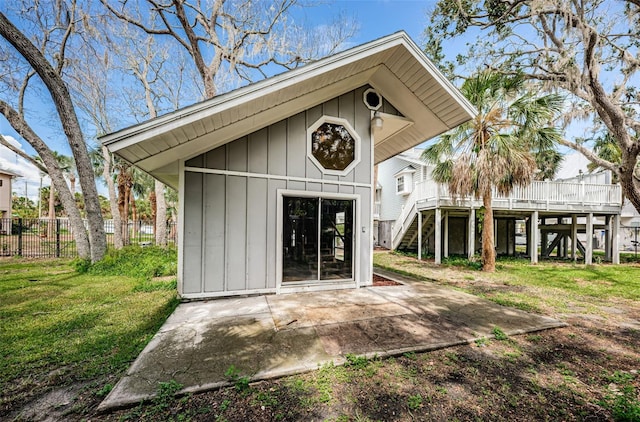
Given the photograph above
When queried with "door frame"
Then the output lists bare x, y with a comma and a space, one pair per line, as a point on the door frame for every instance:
316, 285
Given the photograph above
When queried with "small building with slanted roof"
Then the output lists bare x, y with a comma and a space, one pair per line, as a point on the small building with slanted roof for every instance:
276, 179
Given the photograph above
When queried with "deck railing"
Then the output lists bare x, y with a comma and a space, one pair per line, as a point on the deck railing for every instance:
539, 194
539, 191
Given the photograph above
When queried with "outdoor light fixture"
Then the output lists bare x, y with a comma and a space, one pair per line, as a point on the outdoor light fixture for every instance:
377, 121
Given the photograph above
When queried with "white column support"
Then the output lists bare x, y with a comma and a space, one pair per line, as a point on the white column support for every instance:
615, 239
419, 235
446, 234
533, 242
588, 255
471, 247
607, 238
438, 236
574, 237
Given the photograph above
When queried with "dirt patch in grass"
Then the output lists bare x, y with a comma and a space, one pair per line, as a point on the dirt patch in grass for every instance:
379, 280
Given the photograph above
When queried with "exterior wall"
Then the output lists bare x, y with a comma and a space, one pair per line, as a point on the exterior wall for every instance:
391, 202
231, 202
5, 196
384, 233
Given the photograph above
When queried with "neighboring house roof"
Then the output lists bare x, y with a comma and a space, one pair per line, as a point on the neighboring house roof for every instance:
393, 65
407, 169
10, 173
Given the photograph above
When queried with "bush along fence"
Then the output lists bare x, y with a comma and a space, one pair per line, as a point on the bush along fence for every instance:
45, 238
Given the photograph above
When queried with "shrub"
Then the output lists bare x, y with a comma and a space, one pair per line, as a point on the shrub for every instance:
134, 261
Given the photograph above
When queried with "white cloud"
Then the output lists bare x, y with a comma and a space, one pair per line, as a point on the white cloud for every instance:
30, 175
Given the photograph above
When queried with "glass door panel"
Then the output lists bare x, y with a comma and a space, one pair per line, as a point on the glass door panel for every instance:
336, 240
300, 239
317, 239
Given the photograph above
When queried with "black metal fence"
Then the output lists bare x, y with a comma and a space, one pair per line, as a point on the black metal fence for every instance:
45, 238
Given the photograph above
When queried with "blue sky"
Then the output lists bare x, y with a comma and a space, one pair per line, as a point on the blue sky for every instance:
376, 18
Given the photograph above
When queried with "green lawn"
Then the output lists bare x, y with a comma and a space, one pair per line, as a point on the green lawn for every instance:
547, 285
59, 326
62, 329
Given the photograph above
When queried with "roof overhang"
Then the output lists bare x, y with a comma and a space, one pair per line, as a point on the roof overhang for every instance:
393, 65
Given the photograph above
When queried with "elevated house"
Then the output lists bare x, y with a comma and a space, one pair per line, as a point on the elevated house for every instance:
6, 179
560, 218
276, 179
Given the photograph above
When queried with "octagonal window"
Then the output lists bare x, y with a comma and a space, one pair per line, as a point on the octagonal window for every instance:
333, 145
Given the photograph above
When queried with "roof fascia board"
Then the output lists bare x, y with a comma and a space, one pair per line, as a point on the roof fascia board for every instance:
137, 133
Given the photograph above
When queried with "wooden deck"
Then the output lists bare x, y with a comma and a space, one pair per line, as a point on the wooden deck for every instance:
538, 200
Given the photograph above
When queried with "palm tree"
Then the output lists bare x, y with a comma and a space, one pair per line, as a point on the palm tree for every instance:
498, 148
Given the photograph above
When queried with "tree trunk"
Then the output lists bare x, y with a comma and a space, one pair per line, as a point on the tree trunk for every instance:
113, 199
161, 214
57, 179
52, 212
488, 247
71, 126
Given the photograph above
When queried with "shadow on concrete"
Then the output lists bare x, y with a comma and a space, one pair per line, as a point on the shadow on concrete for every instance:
272, 336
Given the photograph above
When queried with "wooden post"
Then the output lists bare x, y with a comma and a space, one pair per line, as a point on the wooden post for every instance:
419, 235
438, 236
588, 255
533, 244
472, 233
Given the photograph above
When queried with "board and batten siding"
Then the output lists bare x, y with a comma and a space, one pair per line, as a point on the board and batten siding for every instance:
231, 199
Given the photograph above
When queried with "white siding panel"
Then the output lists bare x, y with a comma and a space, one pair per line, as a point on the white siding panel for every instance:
216, 159
258, 151
313, 172
257, 234
213, 231
295, 185
192, 264
272, 235
362, 125
364, 231
278, 148
237, 155
346, 110
314, 187
296, 145
329, 187
236, 229
346, 189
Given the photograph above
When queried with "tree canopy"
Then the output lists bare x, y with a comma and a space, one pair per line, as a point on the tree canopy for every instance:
497, 149
588, 50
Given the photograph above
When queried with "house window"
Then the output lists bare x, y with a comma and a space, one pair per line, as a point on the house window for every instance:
404, 180
400, 184
333, 145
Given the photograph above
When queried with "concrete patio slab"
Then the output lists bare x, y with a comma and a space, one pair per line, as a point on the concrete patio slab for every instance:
273, 336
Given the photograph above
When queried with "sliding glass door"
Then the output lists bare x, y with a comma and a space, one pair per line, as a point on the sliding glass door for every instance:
317, 239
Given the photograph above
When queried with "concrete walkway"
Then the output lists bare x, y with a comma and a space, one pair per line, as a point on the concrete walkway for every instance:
272, 336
